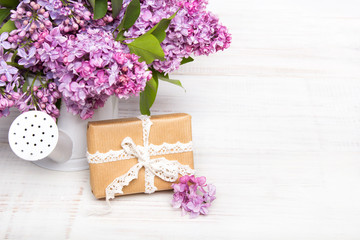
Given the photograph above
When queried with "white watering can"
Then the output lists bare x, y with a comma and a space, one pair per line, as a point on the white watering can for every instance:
34, 136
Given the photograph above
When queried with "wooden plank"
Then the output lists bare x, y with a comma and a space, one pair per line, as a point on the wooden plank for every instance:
275, 127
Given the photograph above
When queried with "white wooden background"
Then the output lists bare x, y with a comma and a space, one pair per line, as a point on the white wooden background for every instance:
276, 126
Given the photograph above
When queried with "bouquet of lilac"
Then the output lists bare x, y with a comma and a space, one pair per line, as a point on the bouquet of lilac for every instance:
191, 196
81, 52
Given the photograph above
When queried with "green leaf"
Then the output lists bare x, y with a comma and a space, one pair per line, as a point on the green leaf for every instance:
3, 14
147, 47
9, 3
7, 27
186, 60
166, 78
147, 97
100, 9
131, 14
116, 7
159, 29
92, 3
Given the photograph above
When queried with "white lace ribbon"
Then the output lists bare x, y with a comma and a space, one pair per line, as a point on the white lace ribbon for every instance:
154, 150
163, 168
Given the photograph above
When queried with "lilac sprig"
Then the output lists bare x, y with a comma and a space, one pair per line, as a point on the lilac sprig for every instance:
89, 67
69, 16
10, 79
31, 19
42, 97
193, 195
193, 31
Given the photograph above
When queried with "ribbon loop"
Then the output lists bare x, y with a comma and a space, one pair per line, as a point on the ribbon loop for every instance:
137, 151
161, 167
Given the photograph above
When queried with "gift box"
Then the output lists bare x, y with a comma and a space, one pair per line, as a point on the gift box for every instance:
137, 155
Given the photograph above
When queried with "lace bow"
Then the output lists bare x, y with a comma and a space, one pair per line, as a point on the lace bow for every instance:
163, 168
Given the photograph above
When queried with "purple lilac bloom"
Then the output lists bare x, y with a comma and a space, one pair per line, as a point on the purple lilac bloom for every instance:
4, 44
9, 81
193, 31
69, 16
191, 196
30, 19
91, 66
27, 59
7, 70
41, 98
78, 58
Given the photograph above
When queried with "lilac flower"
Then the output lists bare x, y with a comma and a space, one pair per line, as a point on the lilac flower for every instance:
27, 59
85, 70
113, 72
8, 70
3, 80
55, 37
4, 107
190, 195
4, 44
49, 55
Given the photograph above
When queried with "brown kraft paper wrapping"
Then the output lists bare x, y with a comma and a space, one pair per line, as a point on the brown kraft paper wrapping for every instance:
103, 136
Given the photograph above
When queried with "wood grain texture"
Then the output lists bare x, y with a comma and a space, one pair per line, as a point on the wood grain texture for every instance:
276, 126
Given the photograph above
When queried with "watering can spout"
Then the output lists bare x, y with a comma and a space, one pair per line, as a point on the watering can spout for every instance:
34, 136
